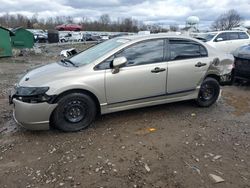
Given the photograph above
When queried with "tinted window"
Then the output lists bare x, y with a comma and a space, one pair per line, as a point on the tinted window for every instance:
243, 35
203, 51
223, 36
143, 53
233, 36
182, 49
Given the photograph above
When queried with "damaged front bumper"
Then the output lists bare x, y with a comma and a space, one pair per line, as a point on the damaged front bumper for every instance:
32, 111
33, 116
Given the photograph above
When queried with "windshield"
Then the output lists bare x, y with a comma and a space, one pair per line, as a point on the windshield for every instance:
209, 36
93, 53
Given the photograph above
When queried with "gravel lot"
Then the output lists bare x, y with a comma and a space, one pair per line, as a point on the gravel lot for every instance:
174, 145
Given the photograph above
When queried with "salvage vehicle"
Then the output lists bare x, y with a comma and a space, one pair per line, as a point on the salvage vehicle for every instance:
227, 41
69, 27
70, 37
119, 74
40, 38
241, 70
68, 52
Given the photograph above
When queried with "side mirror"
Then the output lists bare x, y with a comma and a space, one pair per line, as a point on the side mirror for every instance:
219, 39
117, 63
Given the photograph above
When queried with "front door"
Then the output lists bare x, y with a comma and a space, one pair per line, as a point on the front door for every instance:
143, 76
188, 63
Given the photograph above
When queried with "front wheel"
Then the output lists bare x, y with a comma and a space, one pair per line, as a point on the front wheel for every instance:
74, 112
209, 92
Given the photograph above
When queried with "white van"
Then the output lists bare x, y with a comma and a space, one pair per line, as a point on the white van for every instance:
72, 36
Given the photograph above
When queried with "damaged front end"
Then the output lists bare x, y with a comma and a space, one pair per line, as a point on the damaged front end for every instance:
30, 94
32, 107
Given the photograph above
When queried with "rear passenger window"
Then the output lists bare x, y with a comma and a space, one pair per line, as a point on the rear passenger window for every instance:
233, 36
184, 49
243, 35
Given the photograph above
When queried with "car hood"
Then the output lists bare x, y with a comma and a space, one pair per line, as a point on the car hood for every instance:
45, 74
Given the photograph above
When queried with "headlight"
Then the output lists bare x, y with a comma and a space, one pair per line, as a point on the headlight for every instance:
32, 94
31, 91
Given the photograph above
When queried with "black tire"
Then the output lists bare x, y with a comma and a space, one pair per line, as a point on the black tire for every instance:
209, 92
74, 112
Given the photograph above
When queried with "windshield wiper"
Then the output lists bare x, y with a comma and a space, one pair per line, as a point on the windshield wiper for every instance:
68, 61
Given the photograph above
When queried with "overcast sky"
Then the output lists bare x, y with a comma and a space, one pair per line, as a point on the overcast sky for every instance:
150, 11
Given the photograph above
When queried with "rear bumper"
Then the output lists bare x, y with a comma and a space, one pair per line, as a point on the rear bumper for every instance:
33, 116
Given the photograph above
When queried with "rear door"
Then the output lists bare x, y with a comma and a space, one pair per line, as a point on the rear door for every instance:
188, 63
234, 42
143, 76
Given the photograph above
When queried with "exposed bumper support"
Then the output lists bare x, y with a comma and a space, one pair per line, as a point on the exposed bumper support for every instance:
226, 78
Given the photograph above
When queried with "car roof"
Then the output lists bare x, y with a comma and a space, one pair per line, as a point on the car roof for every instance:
226, 31
155, 36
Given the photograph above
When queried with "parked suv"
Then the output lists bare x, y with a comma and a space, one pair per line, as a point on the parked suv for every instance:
227, 41
119, 74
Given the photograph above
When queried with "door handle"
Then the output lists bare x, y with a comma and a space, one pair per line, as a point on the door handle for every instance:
199, 64
157, 69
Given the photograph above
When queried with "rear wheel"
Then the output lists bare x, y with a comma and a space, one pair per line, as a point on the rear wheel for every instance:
209, 92
74, 112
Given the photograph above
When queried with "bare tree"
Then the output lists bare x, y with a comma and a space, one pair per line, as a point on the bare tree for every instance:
227, 20
104, 19
174, 27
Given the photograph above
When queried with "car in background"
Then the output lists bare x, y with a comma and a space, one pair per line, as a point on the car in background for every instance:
91, 37
70, 37
69, 27
40, 38
241, 69
119, 74
104, 37
226, 41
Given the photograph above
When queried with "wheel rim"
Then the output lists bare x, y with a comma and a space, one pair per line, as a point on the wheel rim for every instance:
75, 111
207, 92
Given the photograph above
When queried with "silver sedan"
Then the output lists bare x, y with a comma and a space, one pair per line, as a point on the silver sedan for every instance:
119, 74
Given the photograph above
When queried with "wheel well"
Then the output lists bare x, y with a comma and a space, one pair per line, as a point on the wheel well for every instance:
216, 77
97, 103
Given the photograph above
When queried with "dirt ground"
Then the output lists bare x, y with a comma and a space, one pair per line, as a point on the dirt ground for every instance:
170, 146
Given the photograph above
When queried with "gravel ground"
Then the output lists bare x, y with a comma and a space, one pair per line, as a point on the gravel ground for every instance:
174, 145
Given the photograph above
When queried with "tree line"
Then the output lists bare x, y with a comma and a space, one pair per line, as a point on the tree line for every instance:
104, 23
225, 21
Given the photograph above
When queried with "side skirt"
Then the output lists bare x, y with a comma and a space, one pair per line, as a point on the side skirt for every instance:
150, 101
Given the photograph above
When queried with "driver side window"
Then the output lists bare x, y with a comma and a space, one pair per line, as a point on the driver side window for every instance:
142, 53
222, 36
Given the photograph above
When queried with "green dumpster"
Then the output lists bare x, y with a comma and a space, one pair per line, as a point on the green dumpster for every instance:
22, 39
5, 42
